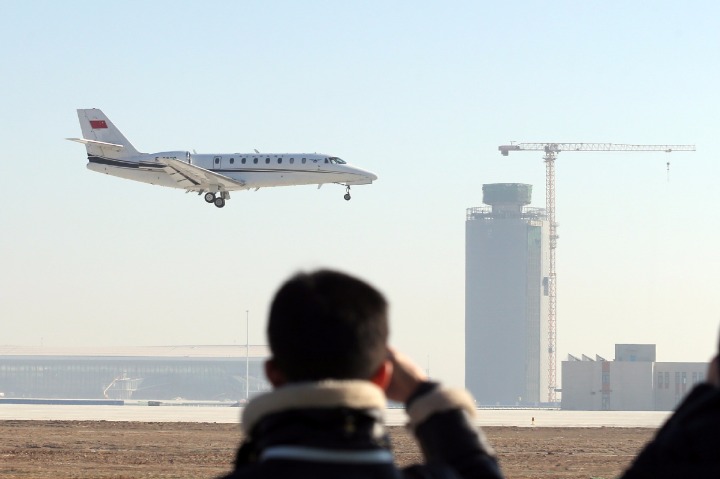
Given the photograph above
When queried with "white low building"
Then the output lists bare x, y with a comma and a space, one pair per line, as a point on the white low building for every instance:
634, 381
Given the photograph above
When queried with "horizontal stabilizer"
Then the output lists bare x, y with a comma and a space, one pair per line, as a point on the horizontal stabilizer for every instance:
98, 143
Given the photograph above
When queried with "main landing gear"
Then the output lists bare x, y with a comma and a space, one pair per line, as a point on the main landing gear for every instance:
347, 193
218, 201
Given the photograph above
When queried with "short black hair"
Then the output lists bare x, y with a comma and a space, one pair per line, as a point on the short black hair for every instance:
327, 325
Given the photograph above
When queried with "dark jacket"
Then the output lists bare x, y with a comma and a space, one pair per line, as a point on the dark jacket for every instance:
688, 444
335, 429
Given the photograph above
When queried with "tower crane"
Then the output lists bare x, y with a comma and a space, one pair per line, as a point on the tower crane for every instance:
551, 151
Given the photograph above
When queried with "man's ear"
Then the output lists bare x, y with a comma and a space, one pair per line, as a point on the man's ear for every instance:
275, 376
383, 375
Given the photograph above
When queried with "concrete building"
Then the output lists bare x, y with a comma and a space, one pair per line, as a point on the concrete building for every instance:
506, 328
208, 373
634, 381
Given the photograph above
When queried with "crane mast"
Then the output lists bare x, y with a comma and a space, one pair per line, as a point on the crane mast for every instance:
551, 151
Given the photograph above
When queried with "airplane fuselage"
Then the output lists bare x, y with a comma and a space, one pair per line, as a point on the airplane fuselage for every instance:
253, 169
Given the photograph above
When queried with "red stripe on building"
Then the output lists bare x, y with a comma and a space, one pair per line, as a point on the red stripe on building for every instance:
95, 124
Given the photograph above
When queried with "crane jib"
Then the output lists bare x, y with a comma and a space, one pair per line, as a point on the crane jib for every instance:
558, 147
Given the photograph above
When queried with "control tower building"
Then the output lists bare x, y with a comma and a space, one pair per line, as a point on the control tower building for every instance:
506, 302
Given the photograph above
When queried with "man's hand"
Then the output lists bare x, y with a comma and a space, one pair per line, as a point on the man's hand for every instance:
406, 377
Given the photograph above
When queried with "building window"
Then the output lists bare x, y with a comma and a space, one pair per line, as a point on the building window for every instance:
659, 380
667, 380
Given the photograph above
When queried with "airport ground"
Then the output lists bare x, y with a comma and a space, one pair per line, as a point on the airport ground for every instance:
118, 450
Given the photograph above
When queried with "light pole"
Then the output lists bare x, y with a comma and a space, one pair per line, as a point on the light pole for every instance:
247, 355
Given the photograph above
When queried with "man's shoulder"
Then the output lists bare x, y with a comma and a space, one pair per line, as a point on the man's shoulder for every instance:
429, 471
315, 470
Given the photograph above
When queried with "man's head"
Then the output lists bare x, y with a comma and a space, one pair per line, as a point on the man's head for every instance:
327, 325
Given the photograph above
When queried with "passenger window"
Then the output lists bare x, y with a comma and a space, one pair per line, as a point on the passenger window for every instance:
242, 161
292, 160
232, 161
303, 160
267, 161
255, 160
217, 160
279, 160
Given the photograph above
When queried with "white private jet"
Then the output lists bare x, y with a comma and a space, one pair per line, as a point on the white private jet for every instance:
215, 175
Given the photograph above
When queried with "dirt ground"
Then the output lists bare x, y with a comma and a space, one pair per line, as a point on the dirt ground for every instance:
102, 449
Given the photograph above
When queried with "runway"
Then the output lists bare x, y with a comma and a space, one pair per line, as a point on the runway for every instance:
393, 417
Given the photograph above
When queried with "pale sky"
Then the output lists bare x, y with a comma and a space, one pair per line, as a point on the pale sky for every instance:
420, 93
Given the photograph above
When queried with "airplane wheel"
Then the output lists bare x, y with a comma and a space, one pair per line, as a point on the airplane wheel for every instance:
219, 202
210, 197
347, 196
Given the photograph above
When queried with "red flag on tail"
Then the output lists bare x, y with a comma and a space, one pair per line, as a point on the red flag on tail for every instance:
95, 124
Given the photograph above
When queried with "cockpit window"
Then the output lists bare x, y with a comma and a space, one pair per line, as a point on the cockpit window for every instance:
336, 161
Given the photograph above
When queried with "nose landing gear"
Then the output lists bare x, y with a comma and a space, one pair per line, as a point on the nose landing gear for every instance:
347, 193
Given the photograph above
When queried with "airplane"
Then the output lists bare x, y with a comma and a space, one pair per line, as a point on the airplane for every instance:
214, 174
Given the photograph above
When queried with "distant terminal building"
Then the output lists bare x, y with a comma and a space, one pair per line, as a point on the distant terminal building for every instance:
208, 373
506, 304
634, 381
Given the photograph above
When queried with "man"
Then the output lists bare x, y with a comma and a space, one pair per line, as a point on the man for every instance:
332, 373
687, 444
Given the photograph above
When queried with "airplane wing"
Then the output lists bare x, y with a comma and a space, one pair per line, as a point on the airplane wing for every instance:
194, 178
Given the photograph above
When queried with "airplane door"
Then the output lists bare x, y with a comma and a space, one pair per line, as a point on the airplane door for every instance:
217, 163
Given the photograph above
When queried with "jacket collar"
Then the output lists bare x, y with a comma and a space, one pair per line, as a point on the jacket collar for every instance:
353, 394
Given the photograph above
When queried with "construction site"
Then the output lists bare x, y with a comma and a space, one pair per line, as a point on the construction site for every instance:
511, 284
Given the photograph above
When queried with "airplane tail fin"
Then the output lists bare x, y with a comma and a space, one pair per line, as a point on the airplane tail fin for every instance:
101, 137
